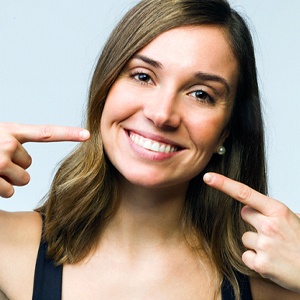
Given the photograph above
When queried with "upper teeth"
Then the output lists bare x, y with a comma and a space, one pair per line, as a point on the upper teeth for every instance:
151, 145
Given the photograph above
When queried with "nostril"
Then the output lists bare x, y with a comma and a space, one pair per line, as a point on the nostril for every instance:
162, 119
163, 111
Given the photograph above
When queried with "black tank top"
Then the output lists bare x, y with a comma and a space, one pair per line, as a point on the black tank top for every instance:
48, 280
47, 277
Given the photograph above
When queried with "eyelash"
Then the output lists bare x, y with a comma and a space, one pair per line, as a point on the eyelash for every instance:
208, 99
134, 74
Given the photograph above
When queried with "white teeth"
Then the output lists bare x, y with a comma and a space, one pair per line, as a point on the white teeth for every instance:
155, 147
140, 142
152, 145
162, 148
147, 144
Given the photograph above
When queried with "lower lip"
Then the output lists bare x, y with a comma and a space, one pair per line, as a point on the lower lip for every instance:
148, 154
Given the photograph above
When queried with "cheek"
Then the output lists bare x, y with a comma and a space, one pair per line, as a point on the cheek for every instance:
112, 104
111, 111
207, 131
119, 105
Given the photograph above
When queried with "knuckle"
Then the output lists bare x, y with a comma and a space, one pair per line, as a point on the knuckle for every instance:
6, 189
46, 132
26, 178
244, 192
283, 210
9, 145
24, 161
268, 228
245, 236
8, 127
28, 162
262, 265
9, 193
263, 244
23, 179
4, 163
245, 210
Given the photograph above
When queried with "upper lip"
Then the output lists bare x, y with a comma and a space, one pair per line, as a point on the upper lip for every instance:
156, 138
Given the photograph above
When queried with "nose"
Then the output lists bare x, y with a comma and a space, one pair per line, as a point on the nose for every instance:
162, 109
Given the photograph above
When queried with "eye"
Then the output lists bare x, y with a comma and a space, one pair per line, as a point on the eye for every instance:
142, 78
202, 96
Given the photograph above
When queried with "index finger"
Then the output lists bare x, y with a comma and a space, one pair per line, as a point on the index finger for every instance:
240, 192
45, 133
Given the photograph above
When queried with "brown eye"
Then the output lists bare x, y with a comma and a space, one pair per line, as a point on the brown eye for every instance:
202, 96
142, 78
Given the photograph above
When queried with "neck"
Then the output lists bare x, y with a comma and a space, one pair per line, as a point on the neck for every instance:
147, 216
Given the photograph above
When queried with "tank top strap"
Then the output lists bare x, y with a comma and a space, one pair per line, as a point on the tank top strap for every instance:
47, 277
243, 282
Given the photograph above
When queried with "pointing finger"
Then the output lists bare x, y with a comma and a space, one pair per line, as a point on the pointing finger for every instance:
241, 192
46, 133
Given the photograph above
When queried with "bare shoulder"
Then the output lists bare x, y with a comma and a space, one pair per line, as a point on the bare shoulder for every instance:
266, 290
19, 226
20, 234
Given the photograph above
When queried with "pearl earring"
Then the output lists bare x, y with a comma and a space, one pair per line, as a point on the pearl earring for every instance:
221, 150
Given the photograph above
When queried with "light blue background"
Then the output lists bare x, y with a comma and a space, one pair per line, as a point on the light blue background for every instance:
48, 50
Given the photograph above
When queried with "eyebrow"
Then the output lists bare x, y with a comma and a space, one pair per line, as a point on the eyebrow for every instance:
149, 61
216, 78
200, 75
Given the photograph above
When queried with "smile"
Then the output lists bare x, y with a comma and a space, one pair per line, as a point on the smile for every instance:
151, 145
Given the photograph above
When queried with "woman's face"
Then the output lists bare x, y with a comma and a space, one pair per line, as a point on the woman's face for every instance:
166, 114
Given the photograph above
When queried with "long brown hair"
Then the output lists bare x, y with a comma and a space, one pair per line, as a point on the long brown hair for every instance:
84, 191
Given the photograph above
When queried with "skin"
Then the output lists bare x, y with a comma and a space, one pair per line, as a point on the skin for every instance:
21, 232
15, 159
154, 256
276, 244
162, 106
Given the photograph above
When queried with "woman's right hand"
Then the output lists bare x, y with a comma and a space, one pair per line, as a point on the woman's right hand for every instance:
14, 159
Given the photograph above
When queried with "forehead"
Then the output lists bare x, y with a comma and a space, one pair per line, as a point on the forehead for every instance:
200, 36
204, 48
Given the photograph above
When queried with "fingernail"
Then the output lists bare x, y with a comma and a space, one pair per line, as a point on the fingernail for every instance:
208, 178
84, 134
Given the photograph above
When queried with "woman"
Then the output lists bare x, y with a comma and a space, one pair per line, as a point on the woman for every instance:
174, 98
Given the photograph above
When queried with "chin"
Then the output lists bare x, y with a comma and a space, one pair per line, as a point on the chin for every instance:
153, 181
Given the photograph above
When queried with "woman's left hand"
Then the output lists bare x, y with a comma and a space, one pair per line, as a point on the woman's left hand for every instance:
274, 250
